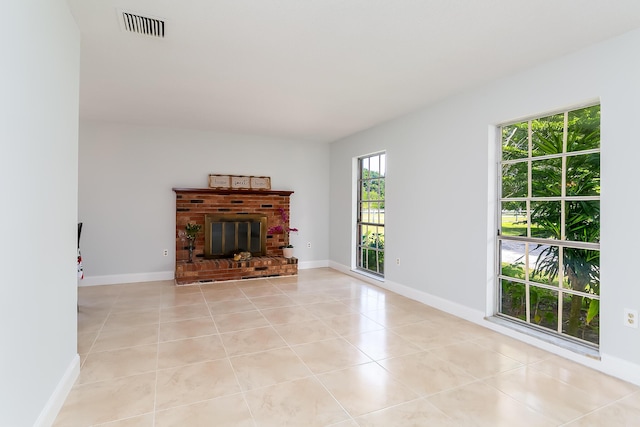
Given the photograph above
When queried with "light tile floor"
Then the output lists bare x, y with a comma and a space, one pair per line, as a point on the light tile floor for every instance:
319, 349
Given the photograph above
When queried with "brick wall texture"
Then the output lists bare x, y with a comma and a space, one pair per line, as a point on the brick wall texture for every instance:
191, 207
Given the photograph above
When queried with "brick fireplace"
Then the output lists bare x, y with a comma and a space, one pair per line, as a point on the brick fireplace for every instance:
194, 204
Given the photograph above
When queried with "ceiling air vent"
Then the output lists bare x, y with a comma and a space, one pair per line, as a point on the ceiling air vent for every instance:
145, 25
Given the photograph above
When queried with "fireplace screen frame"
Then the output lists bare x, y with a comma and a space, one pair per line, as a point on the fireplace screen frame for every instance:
211, 219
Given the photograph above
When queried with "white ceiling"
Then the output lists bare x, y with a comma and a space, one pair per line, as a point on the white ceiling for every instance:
317, 70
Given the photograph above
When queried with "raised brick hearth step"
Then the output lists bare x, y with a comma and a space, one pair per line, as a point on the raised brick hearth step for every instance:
217, 270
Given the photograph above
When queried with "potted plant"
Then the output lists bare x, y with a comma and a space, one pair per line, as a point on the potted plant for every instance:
283, 227
192, 231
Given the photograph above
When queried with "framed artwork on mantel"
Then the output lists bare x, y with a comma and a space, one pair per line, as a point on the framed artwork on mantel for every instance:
219, 181
260, 183
241, 182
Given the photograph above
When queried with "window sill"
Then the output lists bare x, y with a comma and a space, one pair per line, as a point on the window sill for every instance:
566, 344
368, 275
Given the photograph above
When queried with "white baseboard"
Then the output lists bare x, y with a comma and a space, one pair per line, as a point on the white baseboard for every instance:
607, 364
115, 279
442, 304
621, 368
305, 265
341, 268
54, 404
459, 310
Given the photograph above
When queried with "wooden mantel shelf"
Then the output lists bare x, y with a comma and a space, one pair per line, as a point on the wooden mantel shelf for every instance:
233, 191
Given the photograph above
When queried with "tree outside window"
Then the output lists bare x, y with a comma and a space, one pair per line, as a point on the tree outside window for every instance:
549, 234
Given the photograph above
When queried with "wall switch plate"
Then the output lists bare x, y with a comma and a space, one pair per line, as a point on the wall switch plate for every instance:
631, 318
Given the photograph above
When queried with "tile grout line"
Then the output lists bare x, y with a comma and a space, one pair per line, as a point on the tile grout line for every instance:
312, 374
233, 369
155, 387
98, 332
612, 403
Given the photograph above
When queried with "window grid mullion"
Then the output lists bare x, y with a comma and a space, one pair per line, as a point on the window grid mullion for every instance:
551, 199
563, 186
566, 243
552, 156
549, 287
560, 287
527, 291
529, 183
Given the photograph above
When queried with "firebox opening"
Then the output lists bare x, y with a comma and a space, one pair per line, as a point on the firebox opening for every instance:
228, 234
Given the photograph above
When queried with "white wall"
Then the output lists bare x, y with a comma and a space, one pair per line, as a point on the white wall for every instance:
441, 168
39, 79
127, 204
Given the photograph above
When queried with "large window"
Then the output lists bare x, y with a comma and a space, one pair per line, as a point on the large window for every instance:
370, 217
549, 226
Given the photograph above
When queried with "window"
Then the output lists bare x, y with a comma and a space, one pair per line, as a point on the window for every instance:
370, 214
549, 224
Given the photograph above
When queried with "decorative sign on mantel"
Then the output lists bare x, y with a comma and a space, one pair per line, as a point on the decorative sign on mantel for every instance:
240, 182
261, 183
219, 181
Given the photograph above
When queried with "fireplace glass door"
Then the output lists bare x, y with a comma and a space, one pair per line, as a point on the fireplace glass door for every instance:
226, 235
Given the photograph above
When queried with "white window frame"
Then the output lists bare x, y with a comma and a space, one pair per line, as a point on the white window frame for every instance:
562, 243
357, 246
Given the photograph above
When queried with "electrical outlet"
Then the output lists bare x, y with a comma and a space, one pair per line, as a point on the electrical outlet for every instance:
397, 261
631, 318
308, 244
165, 252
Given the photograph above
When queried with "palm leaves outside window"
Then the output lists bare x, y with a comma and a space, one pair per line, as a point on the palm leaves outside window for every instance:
549, 232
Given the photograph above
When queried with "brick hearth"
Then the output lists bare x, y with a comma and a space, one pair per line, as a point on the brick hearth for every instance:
192, 204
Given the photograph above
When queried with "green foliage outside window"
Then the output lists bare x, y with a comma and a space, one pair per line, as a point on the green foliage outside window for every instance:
373, 252
581, 170
373, 189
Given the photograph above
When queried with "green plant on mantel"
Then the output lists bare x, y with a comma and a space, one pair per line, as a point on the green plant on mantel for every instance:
192, 230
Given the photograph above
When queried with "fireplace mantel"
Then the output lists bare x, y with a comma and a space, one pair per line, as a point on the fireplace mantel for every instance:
226, 191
